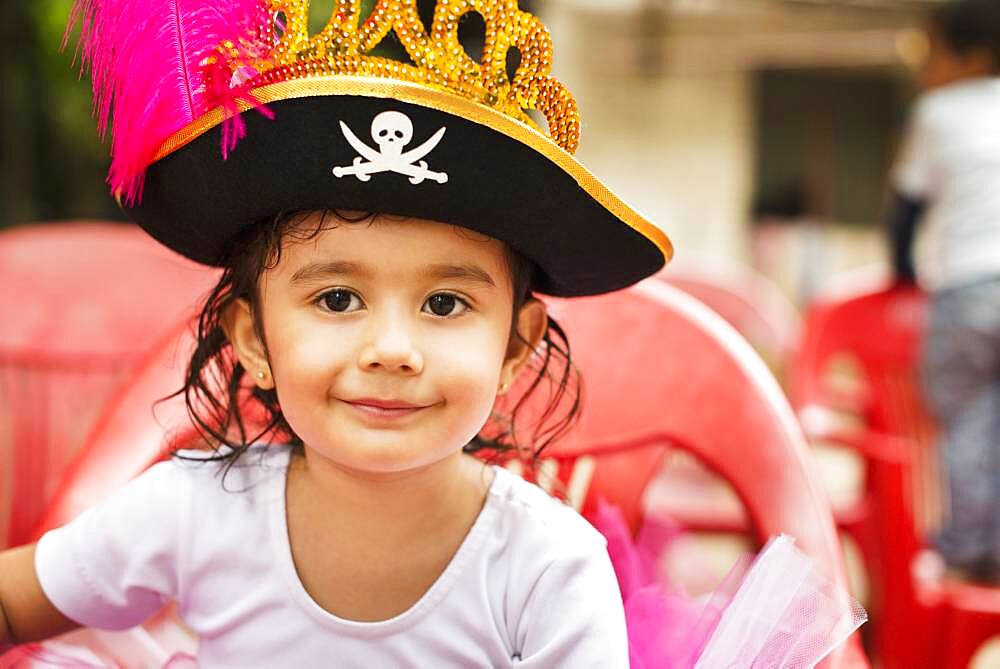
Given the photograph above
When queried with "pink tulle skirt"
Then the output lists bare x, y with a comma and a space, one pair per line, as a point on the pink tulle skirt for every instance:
85, 648
78, 655
775, 611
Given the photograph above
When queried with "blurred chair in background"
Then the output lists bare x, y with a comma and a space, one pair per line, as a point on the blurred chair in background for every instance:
758, 309
680, 379
746, 299
135, 430
919, 619
83, 302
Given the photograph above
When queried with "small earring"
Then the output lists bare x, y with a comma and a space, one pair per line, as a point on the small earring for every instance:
261, 375
503, 387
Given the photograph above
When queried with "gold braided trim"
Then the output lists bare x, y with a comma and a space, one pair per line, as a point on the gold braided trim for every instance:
448, 103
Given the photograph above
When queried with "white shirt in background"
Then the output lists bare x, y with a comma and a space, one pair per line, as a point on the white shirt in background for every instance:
951, 161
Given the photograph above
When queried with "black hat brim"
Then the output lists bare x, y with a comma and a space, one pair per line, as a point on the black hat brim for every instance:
504, 179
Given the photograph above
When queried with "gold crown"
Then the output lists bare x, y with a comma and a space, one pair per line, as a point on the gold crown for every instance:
344, 47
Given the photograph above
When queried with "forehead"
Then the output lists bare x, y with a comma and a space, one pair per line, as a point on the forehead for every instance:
390, 245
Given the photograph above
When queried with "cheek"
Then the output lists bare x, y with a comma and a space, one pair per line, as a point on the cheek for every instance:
467, 375
470, 406
468, 371
305, 359
478, 347
305, 375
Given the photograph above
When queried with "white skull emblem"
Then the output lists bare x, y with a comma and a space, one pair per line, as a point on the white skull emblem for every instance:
391, 130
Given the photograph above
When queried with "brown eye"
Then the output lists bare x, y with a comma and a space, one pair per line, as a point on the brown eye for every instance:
340, 300
445, 304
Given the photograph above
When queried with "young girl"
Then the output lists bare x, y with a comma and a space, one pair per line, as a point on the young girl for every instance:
383, 228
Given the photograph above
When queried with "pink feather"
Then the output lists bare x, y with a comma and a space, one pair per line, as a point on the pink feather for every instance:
150, 76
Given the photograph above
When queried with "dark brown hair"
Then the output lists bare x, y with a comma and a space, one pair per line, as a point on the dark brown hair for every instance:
969, 25
231, 412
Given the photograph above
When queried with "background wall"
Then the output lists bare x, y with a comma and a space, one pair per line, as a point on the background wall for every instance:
701, 113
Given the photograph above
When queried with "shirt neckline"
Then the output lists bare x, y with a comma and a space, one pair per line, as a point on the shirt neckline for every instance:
281, 547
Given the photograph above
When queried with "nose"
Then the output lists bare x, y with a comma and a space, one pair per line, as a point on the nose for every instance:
390, 347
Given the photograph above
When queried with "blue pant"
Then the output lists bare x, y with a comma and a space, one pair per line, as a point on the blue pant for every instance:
961, 370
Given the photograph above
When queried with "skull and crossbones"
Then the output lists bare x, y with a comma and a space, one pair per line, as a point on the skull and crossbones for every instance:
392, 131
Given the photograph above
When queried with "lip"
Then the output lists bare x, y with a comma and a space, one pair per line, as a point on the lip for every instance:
384, 409
385, 404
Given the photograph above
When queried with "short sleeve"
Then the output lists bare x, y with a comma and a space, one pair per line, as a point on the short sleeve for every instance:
574, 616
116, 563
914, 175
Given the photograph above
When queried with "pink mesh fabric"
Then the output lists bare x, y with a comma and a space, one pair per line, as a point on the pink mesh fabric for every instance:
775, 611
784, 615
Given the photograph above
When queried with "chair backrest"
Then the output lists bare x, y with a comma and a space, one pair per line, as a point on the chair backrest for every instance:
882, 331
657, 364
83, 303
746, 299
137, 429
660, 370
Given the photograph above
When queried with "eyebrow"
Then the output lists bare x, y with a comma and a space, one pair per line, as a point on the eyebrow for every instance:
321, 270
464, 272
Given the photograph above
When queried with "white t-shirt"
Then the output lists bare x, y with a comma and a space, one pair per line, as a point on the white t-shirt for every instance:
530, 586
951, 160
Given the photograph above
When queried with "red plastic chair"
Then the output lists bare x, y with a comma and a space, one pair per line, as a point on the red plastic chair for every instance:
746, 299
83, 303
679, 378
880, 332
758, 310
138, 429
919, 621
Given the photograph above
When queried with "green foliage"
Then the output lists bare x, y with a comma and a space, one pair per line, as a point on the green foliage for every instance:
320, 11
68, 91
55, 161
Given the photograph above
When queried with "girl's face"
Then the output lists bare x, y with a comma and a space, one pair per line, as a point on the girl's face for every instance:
387, 340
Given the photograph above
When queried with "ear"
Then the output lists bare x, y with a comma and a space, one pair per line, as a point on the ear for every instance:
532, 321
238, 324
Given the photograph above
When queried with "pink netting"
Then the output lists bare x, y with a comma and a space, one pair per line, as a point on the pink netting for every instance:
784, 614
94, 649
775, 611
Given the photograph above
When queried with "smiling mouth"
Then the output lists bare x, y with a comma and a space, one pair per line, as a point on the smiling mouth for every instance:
384, 408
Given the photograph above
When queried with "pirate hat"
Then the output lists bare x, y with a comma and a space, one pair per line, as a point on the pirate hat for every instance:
440, 137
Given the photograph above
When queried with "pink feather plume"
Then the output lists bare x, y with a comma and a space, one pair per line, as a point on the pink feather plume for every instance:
150, 76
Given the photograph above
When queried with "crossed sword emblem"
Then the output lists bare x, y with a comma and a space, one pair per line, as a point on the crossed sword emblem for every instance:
409, 163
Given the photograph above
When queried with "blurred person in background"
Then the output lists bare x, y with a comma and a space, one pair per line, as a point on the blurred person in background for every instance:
949, 174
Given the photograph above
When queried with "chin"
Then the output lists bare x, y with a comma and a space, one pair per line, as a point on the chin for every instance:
382, 457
